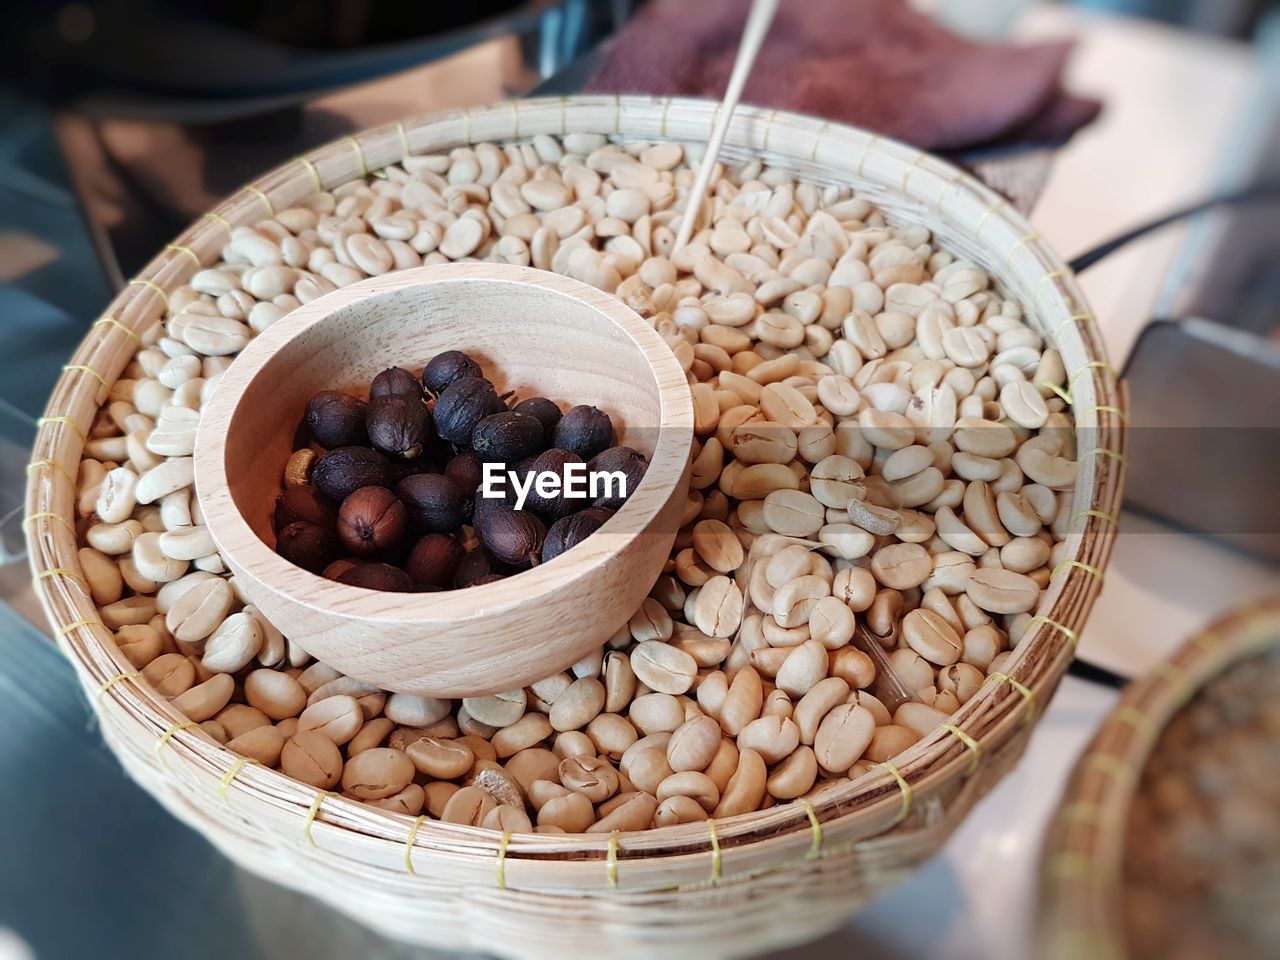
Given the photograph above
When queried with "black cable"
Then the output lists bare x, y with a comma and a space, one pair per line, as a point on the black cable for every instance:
1264, 191
1095, 674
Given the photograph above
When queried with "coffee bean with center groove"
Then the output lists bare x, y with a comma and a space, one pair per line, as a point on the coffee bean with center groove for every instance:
336, 419
462, 405
399, 426
434, 560
513, 536
372, 521
395, 382
547, 412
584, 430
631, 464
341, 472
303, 502
507, 436
434, 501
568, 532
377, 576
447, 368
308, 545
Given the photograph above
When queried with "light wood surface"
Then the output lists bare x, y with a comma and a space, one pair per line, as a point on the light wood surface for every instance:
535, 333
761, 880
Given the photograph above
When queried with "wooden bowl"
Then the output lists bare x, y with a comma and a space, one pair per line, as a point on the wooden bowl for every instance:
534, 333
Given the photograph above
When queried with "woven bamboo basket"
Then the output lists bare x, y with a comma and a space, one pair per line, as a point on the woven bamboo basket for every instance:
732, 887
1082, 875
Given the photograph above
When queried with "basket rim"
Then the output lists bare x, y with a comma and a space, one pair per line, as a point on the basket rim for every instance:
868, 806
1082, 867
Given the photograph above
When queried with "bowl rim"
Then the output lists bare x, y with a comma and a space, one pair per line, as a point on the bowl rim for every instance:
240, 544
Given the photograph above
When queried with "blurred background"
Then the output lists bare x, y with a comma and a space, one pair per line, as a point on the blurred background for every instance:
122, 120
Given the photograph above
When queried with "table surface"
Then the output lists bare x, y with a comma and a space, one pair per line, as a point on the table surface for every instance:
1172, 104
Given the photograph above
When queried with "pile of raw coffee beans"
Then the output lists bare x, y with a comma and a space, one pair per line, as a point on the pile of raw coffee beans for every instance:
389, 493
1203, 840
881, 443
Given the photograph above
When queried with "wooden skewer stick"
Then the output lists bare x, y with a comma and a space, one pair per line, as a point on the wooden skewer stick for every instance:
753, 34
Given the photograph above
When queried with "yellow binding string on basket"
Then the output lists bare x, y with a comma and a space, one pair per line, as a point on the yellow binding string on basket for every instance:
1055, 274
1023, 691
1176, 677
1076, 318
314, 171
466, 126
220, 220
119, 678
768, 132
1021, 242
408, 845
266, 201
866, 151
902, 786
973, 745
1206, 640
1110, 518
715, 118
1064, 395
617, 114
76, 625
65, 421
564, 116
1142, 724
662, 126
1082, 811
35, 465
1115, 455
59, 572
611, 863
1066, 631
1079, 942
1104, 408
1084, 368
1109, 764
501, 866
982, 220
515, 118
818, 137
1079, 565
81, 368
715, 850
231, 774
815, 830
313, 812
404, 141
48, 515
113, 322
1073, 866
150, 285
946, 188
168, 734
906, 174
179, 248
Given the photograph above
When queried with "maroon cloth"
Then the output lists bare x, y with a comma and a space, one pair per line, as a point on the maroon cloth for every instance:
873, 63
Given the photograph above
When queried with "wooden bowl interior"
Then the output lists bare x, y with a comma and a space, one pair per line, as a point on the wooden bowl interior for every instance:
528, 339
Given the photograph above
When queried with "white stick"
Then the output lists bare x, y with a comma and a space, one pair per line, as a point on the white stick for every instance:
753, 34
